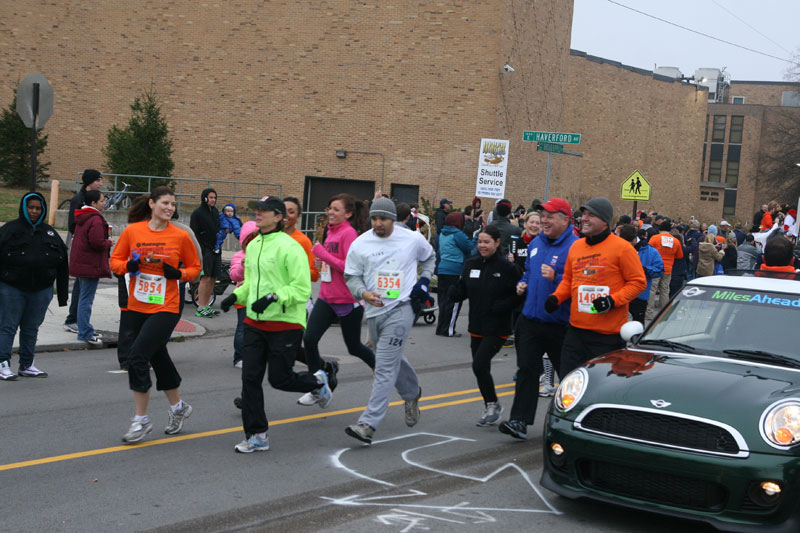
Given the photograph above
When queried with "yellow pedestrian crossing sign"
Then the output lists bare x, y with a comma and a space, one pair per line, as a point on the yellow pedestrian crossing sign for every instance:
636, 187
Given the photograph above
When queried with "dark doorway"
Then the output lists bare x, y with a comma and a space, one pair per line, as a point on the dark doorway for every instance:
405, 193
319, 190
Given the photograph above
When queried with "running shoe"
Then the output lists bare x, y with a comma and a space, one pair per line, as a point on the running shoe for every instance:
137, 431
491, 414
32, 372
238, 364
516, 428
5, 372
412, 410
360, 431
204, 312
308, 399
332, 369
72, 328
238, 402
177, 418
253, 444
323, 393
547, 390
94, 340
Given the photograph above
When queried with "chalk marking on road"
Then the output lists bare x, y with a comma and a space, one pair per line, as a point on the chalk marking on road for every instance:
225, 431
357, 500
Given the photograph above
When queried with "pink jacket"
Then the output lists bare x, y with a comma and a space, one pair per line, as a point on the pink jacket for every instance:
237, 261
334, 252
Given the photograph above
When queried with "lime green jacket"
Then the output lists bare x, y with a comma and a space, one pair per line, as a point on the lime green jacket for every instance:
276, 263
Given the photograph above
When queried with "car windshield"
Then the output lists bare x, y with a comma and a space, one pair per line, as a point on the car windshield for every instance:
739, 323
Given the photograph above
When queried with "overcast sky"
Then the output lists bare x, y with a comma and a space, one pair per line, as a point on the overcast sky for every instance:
605, 29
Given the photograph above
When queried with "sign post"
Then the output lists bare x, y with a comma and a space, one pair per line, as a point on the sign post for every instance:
34, 107
635, 187
548, 141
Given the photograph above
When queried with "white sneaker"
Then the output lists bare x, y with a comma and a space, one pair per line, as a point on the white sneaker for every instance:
94, 340
32, 372
491, 414
308, 399
72, 328
237, 364
5, 372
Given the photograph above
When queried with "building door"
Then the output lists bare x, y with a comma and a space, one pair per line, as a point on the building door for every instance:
319, 190
408, 194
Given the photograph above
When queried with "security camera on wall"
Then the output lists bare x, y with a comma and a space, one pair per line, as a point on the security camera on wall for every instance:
508, 68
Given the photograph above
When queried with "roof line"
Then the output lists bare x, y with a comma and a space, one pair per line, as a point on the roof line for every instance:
643, 72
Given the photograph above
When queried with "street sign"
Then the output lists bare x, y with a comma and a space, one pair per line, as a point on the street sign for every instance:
636, 188
27, 107
550, 147
551, 137
492, 168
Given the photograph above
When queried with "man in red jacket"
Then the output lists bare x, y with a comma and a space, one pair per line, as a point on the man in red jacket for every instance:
88, 259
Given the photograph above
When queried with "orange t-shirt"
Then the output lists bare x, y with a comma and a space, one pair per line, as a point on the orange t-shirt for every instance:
305, 242
608, 268
150, 292
669, 247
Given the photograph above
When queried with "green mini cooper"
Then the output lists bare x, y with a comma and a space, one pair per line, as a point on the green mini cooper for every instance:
699, 417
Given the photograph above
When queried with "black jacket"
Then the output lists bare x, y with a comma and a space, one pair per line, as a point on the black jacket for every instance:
75, 203
507, 229
205, 222
491, 286
33, 256
441, 214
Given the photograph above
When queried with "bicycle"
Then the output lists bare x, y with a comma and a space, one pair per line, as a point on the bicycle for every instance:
220, 286
120, 199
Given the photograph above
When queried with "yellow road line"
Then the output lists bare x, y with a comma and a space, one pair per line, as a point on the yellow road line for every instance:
214, 433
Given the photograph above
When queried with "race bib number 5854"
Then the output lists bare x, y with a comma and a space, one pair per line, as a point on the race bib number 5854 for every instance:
150, 289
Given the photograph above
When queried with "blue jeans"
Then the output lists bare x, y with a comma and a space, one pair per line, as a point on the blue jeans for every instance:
23, 310
72, 314
238, 336
88, 287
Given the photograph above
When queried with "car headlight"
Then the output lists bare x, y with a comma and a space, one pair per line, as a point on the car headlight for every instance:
780, 423
571, 389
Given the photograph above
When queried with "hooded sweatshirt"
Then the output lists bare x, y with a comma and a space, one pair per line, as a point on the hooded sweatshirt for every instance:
333, 253
232, 224
88, 255
32, 254
205, 222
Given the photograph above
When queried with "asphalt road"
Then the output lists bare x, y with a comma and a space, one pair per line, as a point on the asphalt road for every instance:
63, 468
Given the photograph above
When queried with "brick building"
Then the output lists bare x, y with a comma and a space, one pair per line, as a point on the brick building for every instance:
270, 91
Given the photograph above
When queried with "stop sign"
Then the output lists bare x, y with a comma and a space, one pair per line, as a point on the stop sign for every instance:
26, 104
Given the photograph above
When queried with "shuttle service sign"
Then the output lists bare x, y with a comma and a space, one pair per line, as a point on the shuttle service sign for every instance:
492, 168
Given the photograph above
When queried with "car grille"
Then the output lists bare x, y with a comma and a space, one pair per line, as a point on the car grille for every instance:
659, 428
657, 487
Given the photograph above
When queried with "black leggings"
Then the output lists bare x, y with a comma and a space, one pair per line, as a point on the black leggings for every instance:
322, 316
150, 333
483, 350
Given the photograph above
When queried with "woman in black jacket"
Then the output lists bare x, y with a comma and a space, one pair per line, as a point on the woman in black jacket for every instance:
32, 257
489, 281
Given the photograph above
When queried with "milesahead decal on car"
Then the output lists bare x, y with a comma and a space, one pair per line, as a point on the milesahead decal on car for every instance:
692, 291
755, 298
660, 403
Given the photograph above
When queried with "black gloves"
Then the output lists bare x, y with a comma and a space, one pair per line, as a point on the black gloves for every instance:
228, 302
551, 304
133, 265
604, 304
170, 272
262, 303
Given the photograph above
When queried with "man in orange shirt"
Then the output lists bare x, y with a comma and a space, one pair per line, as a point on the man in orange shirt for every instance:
602, 275
670, 249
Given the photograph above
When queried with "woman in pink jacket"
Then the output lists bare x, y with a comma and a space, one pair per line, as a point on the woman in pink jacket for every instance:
347, 218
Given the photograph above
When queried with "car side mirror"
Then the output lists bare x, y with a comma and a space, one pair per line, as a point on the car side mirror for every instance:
631, 329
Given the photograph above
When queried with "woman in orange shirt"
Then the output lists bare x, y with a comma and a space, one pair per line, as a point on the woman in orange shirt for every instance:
149, 252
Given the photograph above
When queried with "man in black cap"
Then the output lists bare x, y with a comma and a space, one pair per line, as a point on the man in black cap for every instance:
205, 224
602, 275
91, 180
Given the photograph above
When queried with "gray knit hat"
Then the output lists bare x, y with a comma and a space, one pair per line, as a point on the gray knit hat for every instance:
600, 207
383, 207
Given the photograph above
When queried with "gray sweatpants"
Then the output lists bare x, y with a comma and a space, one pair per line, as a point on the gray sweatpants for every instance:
389, 331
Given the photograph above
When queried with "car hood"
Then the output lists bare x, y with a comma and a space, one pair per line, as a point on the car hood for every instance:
735, 392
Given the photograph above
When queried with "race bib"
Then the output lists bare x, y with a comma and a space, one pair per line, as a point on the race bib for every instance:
389, 283
150, 289
325, 272
666, 241
587, 295
523, 253
474, 273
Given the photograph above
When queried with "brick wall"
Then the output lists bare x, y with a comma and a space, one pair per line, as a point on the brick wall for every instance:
759, 93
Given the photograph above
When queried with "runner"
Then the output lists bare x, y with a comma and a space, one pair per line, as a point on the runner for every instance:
489, 280
276, 272
346, 216
602, 274
380, 268
150, 251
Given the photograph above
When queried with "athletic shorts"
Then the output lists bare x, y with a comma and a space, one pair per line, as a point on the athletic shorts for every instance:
212, 263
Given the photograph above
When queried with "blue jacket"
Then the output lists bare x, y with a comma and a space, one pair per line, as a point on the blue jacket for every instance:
454, 248
231, 224
652, 264
542, 252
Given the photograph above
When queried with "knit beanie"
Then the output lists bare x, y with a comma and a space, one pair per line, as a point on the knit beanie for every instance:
503, 208
600, 207
384, 208
90, 175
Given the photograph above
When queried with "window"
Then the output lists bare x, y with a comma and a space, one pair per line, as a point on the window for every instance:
705, 137
729, 202
703, 165
715, 171
738, 99
718, 133
732, 174
737, 125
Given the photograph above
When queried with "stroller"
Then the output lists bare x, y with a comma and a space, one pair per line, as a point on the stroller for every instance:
426, 310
